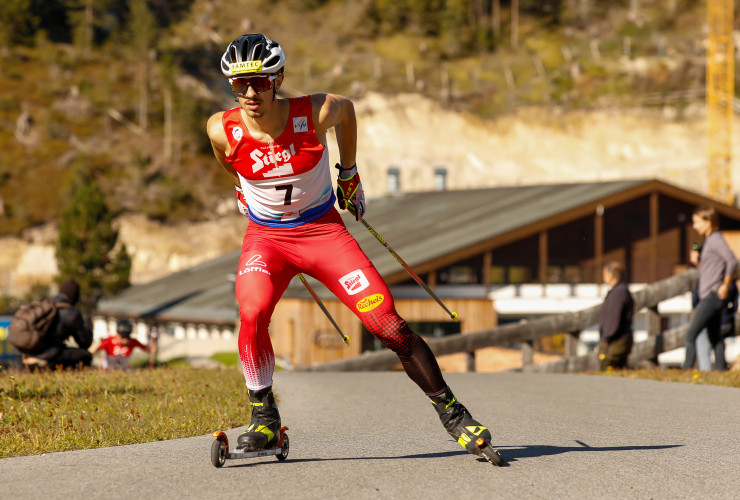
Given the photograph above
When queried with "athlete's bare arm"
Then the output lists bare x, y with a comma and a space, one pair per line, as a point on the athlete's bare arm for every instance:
220, 144
331, 110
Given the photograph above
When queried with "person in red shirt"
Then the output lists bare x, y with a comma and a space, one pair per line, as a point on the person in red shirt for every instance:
119, 347
275, 151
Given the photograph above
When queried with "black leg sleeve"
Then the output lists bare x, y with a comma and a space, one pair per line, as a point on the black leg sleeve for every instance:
421, 366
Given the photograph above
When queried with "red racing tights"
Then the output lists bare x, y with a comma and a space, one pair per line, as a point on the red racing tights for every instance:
325, 250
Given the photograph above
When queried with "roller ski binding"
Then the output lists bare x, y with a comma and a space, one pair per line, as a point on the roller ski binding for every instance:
264, 435
220, 451
469, 433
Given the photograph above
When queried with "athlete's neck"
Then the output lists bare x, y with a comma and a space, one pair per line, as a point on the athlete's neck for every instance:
269, 122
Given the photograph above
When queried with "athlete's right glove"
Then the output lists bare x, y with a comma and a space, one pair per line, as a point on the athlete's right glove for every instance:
241, 201
349, 189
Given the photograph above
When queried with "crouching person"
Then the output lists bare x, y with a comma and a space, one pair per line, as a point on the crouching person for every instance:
615, 319
117, 348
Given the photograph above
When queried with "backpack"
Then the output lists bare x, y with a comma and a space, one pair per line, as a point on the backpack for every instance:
31, 323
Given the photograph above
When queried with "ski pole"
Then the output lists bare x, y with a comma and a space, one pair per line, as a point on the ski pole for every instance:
345, 339
411, 272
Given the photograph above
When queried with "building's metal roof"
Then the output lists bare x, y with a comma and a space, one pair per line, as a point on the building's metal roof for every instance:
420, 227
204, 292
423, 226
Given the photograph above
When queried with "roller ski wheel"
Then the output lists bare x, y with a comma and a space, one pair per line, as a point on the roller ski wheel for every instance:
220, 451
489, 453
284, 448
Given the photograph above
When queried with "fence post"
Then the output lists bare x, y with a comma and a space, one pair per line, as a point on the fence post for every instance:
595, 53
446, 83
509, 76
527, 353
627, 47
470, 361
410, 76
571, 348
655, 333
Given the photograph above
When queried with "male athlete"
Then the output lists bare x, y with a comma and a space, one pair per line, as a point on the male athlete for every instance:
275, 151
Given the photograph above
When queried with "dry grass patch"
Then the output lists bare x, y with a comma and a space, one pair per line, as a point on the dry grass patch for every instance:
727, 378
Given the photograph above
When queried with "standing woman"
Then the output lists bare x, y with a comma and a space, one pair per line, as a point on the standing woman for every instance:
717, 268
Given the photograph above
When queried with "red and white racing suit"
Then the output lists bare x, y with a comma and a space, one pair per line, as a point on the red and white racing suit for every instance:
294, 228
117, 354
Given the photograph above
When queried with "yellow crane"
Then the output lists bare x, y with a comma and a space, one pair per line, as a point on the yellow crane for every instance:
720, 93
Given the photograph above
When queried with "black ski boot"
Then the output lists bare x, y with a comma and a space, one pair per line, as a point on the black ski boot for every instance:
458, 422
263, 431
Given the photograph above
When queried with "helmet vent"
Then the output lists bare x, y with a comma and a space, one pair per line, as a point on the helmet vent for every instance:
257, 51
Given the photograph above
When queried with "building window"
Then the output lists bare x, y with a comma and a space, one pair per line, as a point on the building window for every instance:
394, 180
497, 275
520, 274
573, 274
428, 329
554, 274
462, 275
434, 329
440, 178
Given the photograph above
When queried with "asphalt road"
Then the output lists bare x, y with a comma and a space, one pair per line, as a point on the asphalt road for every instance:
374, 435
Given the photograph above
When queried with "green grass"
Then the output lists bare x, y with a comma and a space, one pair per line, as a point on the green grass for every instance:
59, 411
227, 358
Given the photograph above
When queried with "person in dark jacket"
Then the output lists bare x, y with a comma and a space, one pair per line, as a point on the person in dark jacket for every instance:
69, 323
615, 319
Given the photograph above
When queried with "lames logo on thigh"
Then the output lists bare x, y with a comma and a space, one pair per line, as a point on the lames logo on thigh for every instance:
354, 282
254, 264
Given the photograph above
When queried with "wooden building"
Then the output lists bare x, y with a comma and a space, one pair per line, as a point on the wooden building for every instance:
303, 335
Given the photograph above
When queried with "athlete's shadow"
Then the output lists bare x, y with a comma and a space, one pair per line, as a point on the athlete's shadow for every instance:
508, 453
401, 457
513, 453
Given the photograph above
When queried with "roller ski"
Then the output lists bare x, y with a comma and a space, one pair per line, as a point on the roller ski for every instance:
264, 435
220, 451
469, 433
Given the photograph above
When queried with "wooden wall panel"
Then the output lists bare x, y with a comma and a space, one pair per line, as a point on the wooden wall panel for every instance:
302, 334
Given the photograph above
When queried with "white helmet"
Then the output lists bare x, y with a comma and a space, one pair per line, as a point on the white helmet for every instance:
253, 54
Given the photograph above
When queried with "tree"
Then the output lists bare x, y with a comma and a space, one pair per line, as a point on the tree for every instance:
88, 248
456, 31
142, 31
17, 23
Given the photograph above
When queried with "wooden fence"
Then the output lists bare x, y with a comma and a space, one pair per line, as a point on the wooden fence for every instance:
526, 332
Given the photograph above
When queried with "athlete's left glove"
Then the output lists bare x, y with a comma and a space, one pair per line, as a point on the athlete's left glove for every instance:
349, 189
241, 201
